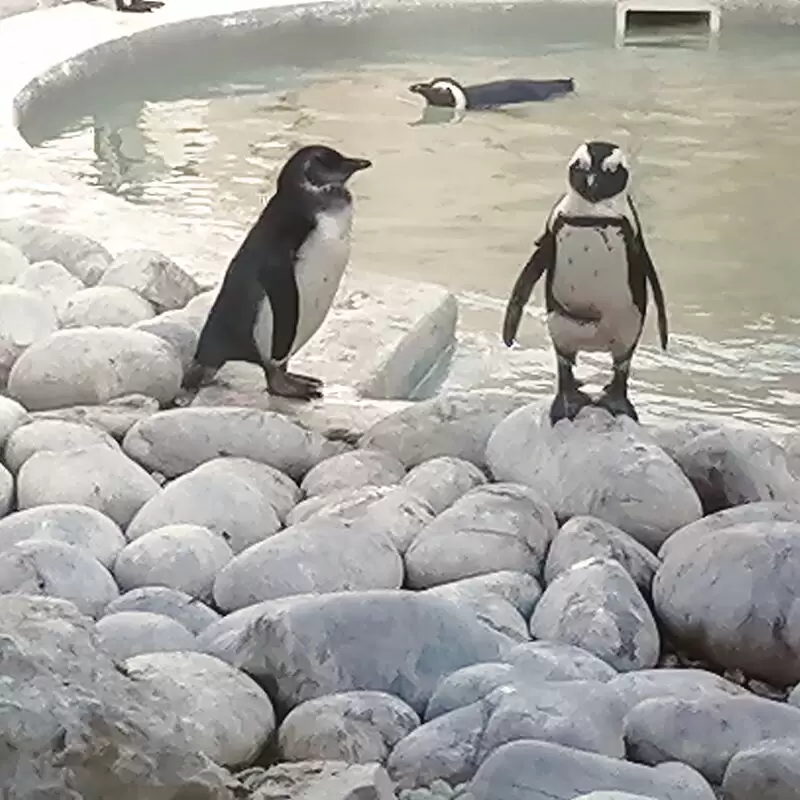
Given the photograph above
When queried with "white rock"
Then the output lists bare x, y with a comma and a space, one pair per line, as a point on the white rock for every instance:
351, 471
104, 306
596, 605
13, 262
25, 318
72, 524
441, 481
490, 528
176, 441
51, 280
130, 633
229, 715
183, 557
457, 425
242, 501
321, 555
192, 613
347, 503
152, 275
51, 436
180, 336
597, 465
357, 727
82, 256
94, 476
61, 694
94, 365
56, 569
12, 415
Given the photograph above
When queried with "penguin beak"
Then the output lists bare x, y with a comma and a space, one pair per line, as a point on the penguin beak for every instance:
416, 88
352, 165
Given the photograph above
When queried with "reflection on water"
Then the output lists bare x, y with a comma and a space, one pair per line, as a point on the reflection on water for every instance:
712, 134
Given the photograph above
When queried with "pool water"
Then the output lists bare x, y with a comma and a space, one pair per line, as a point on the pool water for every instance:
712, 134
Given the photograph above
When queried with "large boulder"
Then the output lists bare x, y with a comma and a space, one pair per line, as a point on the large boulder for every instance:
602, 466
77, 726
25, 318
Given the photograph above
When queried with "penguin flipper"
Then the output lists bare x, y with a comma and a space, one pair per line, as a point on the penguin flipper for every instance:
539, 262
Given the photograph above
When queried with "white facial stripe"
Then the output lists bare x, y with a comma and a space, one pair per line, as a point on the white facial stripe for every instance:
614, 161
459, 97
582, 157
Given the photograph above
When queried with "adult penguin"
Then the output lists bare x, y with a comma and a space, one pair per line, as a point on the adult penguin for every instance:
597, 270
281, 283
449, 93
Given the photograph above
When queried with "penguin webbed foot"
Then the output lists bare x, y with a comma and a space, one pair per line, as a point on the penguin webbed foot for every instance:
617, 403
283, 383
567, 404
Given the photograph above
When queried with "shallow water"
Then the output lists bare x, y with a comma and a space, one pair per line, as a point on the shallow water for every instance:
712, 134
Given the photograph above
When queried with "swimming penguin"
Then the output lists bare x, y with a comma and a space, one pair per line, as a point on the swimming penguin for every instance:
138, 5
449, 93
280, 284
597, 268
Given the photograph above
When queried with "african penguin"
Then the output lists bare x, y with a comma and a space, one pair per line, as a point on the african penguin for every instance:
138, 5
597, 268
449, 93
281, 283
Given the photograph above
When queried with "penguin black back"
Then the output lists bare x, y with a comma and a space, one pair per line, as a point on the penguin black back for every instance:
449, 93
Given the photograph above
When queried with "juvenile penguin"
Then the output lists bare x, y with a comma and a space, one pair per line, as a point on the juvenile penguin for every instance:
449, 93
597, 269
281, 283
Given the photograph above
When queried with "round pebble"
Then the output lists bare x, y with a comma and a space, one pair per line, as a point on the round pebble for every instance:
131, 633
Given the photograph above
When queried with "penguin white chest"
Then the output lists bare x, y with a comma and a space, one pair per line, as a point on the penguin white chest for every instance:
320, 265
590, 280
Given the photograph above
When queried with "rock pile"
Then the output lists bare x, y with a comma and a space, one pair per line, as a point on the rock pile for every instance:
210, 601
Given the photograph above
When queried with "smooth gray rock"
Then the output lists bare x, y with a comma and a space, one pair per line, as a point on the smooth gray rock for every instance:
13, 262
323, 780
154, 276
584, 537
56, 569
176, 441
530, 770
51, 436
321, 555
767, 511
457, 424
730, 466
730, 598
69, 523
768, 771
126, 634
707, 732
12, 415
390, 641
351, 471
182, 557
104, 306
467, 685
583, 715
243, 501
441, 481
52, 281
176, 333
228, 715
392, 509
357, 727
82, 256
92, 366
95, 476
494, 527
685, 684
601, 466
6, 491
519, 589
614, 796
64, 717
558, 661
25, 319
190, 612
596, 605
116, 417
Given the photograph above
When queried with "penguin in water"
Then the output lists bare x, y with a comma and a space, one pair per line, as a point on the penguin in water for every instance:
597, 270
138, 6
449, 93
281, 283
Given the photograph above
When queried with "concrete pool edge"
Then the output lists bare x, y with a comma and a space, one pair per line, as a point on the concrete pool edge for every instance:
421, 318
